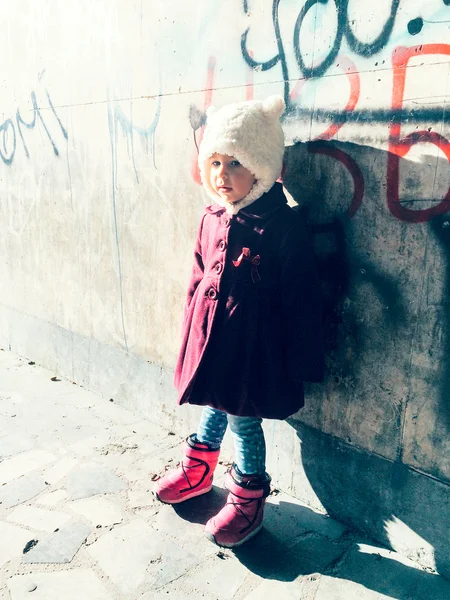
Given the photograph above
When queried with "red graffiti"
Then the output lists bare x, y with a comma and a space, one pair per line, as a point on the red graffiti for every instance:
400, 146
249, 82
355, 87
353, 169
349, 68
208, 97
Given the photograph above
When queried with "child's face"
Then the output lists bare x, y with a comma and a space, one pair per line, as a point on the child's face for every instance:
228, 178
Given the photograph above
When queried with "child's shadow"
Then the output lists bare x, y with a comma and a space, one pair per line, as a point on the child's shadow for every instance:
297, 541
201, 509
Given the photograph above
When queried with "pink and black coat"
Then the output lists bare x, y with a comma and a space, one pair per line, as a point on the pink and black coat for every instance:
252, 330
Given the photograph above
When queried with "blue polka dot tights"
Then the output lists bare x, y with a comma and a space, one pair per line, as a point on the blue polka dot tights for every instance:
248, 438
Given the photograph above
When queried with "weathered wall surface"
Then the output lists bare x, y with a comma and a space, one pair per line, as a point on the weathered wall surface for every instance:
100, 109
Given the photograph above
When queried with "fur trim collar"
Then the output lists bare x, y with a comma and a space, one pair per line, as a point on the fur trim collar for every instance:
262, 207
234, 208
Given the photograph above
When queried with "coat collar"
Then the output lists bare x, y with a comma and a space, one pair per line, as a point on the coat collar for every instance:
263, 207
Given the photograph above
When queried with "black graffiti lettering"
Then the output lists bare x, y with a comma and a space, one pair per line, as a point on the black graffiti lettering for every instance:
280, 57
263, 66
318, 70
371, 48
370, 115
344, 30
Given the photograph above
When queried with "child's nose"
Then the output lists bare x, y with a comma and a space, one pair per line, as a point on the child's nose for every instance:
223, 170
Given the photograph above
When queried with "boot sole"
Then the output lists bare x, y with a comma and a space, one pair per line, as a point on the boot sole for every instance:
186, 497
212, 539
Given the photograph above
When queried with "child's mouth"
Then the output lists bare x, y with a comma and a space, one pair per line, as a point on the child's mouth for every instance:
224, 189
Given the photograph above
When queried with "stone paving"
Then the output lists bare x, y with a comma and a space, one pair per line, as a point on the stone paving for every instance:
78, 520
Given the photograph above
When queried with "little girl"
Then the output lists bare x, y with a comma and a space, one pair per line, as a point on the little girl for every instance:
252, 323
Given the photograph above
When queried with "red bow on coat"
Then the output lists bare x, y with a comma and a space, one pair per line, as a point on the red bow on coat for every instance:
255, 260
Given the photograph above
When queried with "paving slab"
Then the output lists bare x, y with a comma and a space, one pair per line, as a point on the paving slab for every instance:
185, 523
60, 469
142, 499
52, 498
21, 490
113, 413
88, 481
14, 398
369, 570
288, 518
148, 428
60, 546
98, 510
283, 590
100, 472
272, 557
38, 518
175, 593
176, 561
13, 444
60, 585
21, 464
222, 580
131, 444
331, 588
12, 541
86, 447
126, 552
119, 462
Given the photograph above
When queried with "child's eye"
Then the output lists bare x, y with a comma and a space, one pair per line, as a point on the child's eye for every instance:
235, 163
215, 163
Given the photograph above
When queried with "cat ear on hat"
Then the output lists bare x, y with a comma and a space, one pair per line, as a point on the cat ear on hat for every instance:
274, 106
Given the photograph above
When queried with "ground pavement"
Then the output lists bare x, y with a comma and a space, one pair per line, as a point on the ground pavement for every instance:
78, 520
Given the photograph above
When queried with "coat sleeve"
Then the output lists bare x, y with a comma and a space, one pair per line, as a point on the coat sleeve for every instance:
301, 306
197, 268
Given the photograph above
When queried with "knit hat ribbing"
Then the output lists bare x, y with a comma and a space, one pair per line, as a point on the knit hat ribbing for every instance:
251, 132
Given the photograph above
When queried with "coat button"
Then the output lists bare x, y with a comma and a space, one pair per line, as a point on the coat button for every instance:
212, 293
222, 245
218, 268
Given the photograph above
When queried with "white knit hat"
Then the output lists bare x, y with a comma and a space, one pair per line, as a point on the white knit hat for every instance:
251, 132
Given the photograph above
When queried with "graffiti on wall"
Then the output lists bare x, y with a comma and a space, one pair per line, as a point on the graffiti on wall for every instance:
12, 130
343, 30
121, 122
399, 145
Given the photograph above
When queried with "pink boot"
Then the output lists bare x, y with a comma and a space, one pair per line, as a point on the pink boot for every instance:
192, 478
241, 517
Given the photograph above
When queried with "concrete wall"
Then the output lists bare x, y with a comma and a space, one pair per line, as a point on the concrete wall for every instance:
100, 107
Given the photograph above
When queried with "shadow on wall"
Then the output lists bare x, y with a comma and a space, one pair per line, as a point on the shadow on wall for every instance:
360, 245
387, 317
396, 506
